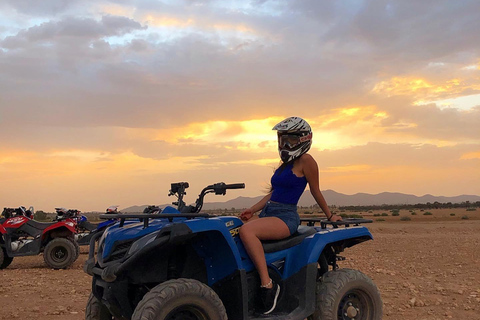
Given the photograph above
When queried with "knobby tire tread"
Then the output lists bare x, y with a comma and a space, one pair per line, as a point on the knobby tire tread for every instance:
149, 306
70, 247
330, 286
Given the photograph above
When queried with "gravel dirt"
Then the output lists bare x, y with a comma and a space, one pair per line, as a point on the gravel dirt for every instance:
426, 269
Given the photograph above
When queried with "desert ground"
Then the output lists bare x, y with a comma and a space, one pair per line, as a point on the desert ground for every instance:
425, 268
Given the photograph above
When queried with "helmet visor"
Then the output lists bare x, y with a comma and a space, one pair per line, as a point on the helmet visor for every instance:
290, 141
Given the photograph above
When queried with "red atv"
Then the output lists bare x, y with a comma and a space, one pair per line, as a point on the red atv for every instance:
23, 236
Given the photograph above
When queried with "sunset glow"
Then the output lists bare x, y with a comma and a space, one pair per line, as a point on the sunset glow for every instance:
107, 103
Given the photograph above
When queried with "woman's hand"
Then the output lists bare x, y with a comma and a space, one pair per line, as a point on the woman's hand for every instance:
334, 218
246, 215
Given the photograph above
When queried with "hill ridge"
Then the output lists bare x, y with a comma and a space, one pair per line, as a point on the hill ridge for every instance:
335, 199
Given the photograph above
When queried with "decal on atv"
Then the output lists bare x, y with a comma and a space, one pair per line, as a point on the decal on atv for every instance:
229, 223
14, 221
235, 232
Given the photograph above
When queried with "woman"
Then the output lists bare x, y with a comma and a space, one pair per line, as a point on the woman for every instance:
279, 218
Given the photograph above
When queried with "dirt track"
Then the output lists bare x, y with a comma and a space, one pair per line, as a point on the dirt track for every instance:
426, 268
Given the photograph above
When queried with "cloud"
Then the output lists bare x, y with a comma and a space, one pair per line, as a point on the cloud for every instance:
143, 86
32, 7
72, 28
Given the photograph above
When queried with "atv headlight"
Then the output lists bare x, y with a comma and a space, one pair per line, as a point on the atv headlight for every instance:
142, 242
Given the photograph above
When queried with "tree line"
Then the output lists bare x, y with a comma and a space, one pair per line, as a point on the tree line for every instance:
418, 206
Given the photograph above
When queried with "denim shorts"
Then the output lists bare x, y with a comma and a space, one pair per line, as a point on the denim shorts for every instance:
285, 212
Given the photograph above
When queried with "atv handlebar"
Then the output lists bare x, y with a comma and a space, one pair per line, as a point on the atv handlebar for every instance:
221, 188
218, 188
178, 190
235, 186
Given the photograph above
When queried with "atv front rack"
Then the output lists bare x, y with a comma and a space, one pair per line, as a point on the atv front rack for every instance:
145, 218
345, 222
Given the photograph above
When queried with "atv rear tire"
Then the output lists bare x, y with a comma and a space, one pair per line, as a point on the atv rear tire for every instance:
4, 259
347, 294
95, 310
185, 299
59, 253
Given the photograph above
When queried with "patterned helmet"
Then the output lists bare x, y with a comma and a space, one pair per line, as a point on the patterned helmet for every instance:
294, 138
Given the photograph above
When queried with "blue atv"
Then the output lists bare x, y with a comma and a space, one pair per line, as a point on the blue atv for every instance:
182, 264
87, 230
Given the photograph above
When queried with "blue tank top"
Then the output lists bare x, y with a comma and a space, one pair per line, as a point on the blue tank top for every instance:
287, 187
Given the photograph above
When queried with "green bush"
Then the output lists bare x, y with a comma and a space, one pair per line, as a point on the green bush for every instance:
414, 213
465, 218
384, 214
452, 214
405, 219
40, 216
428, 213
471, 209
376, 214
357, 216
380, 220
395, 214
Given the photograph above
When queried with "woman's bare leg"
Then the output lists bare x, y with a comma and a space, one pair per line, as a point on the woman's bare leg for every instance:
251, 233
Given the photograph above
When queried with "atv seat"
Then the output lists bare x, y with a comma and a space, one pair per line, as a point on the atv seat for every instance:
296, 238
40, 225
87, 225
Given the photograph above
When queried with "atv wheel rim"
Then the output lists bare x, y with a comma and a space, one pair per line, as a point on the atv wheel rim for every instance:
59, 254
187, 313
355, 305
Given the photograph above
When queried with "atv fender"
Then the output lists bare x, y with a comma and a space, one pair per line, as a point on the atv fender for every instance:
313, 246
65, 230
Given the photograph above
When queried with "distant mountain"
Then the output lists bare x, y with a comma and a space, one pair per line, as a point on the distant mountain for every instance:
337, 199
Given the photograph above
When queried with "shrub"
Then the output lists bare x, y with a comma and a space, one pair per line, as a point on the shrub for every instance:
40, 216
452, 214
356, 216
428, 213
405, 219
343, 215
414, 213
395, 214
471, 209
384, 214
380, 220
376, 214
465, 218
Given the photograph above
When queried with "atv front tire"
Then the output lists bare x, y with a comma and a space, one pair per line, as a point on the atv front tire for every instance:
185, 299
95, 310
347, 294
4, 259
60, 253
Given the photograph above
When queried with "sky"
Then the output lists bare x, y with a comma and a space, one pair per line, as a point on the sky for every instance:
108, 102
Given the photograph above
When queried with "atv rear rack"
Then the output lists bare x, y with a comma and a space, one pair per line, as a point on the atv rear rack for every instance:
345, 222
145, 218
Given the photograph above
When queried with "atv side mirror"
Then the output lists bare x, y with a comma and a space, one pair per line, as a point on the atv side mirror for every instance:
178, 186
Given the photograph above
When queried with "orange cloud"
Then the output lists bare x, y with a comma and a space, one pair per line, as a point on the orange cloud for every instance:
251, 133
351, 168
422, 89
470, 155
